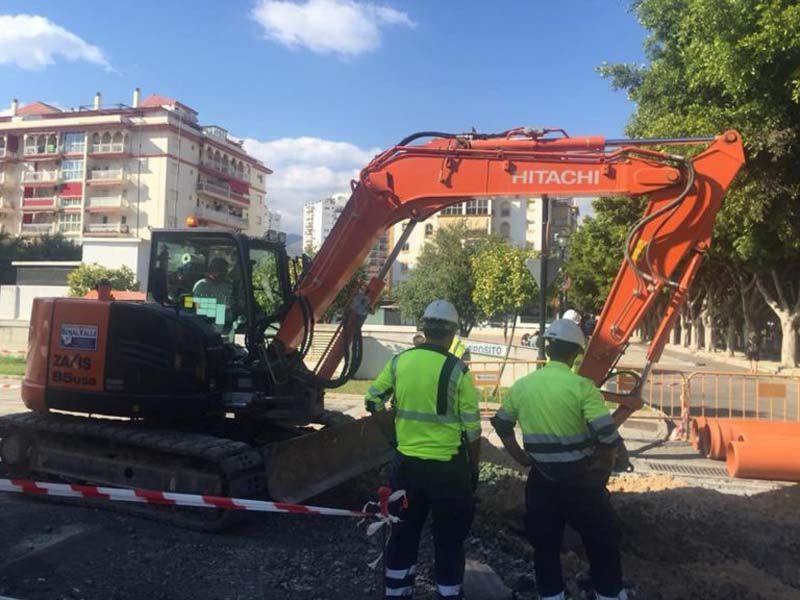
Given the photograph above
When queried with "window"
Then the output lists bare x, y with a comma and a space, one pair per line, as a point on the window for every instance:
123, 219
505, 209
478, 207
69, 222
428, 230
74, 142
455, 209
72, 170
405, 247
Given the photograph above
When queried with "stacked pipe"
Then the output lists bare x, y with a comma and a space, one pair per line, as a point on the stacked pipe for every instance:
751, 448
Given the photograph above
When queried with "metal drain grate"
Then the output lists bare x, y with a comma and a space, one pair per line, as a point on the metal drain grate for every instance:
687, 470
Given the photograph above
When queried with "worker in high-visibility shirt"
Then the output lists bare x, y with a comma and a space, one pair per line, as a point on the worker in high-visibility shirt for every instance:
570, 441
438, 443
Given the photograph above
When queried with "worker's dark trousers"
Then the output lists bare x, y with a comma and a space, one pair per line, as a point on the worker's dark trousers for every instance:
551, 505
443, 488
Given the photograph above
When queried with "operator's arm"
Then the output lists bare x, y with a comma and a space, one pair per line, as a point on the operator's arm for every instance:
382, 388
470, 417
503, 423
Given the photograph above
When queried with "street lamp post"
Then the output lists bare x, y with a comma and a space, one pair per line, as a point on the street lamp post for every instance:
562, 240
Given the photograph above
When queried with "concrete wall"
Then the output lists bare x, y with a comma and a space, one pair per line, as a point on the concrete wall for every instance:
114, 253
16, 300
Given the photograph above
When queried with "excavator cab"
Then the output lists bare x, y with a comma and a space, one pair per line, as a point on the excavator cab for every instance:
236, 283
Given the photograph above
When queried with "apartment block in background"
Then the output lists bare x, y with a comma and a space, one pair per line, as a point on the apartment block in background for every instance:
516, 219
108, 174
320, 216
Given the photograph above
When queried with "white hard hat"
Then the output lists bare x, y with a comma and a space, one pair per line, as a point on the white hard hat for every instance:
441, 310
565, 331
573, 315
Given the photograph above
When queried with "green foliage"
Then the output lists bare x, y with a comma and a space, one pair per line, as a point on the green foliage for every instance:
596, 251
357, 282
443, 270
86, 277
503, 284
720, 64
44, 247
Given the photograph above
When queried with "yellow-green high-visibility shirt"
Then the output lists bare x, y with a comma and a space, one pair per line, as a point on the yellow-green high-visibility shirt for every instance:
562, 415
435, 402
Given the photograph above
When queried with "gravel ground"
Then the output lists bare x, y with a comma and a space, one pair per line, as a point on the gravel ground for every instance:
679, 542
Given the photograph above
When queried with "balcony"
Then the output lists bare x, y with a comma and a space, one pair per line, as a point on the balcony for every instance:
37, 228
221, 218
40, 177
49, 152
106, 228
221, 190
109, 148
105, 203
70, 228
105, 177
39, 203
70, 203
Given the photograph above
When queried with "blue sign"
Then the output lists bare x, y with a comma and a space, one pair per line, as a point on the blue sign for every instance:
78, 337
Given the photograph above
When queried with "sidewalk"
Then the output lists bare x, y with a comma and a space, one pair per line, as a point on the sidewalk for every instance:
737, 362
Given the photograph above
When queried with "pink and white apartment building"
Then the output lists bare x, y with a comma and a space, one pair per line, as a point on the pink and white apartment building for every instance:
114, 172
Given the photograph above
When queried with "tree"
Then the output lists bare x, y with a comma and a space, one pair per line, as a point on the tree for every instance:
443, 270
596, 250
357, 282
715, 65
86, 277
503, 284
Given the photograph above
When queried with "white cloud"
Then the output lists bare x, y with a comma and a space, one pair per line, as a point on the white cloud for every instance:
343, 27
307, 169
34, 42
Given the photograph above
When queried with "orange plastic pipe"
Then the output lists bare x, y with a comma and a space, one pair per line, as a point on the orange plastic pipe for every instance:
775, 458
723, 431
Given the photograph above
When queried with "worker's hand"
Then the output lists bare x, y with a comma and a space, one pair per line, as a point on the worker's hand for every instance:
370, 407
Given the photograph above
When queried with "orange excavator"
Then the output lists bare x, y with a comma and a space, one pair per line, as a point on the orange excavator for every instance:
203, 388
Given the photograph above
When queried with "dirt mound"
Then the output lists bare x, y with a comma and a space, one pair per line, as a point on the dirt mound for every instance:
679, 541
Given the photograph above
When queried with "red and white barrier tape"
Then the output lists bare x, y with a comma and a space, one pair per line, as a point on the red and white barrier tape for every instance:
92, 492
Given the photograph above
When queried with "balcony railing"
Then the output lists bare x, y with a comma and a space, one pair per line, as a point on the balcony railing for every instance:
69, 202
40, 176
110, 148
46, 151
45, 202
38, 228
105, 202
224, 218
106, 228
106, 175
222, 190
224, 169
68, 228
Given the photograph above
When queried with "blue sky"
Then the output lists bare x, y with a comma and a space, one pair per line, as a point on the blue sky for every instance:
318, 86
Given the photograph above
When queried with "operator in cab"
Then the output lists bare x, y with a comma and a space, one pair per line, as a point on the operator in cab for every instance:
438, 432
570, 441
216, 283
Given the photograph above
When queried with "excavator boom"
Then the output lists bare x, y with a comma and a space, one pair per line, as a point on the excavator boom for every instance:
415, 181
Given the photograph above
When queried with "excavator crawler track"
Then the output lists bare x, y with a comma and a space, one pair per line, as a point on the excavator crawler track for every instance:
135, 454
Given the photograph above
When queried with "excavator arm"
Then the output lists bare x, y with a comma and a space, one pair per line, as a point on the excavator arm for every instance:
662, 254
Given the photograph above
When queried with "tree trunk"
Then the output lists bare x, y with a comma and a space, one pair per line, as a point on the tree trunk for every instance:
730, 337
686, 327
787, 309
